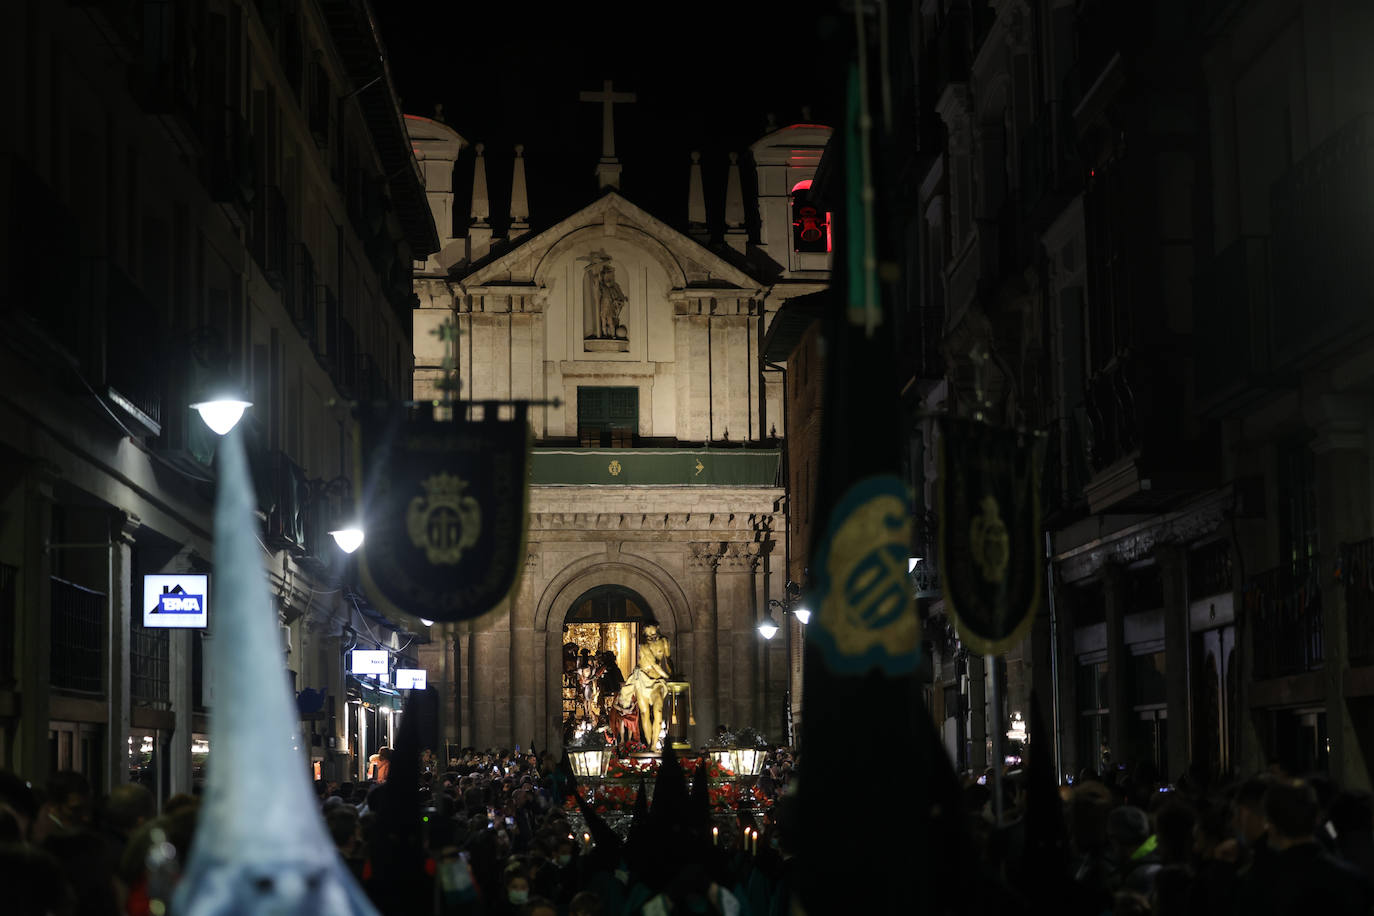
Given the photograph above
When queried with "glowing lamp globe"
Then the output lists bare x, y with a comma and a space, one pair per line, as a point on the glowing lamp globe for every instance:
768, 629
221, 414
803, 615
349, 539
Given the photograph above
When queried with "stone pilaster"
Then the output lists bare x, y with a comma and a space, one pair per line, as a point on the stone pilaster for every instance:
739, 650
524, 662
702, 559
1173, 567
122, 611
1118, 688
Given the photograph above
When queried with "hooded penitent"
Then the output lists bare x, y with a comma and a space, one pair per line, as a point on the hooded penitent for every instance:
260, 846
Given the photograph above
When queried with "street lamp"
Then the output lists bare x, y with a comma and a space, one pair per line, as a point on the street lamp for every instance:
767, 628
221, 412
349, 538
346, 529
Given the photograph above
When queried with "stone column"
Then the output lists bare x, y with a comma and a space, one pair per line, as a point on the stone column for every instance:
1118, 692
739, 651
1173, 567
526, 665
35, 627
490, 682
122, 611
702, 559
1343, 516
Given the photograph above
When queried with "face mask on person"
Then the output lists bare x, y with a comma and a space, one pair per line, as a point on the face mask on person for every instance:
518, 898
563, 860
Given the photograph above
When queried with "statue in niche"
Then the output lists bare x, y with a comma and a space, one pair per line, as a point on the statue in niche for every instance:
603, 299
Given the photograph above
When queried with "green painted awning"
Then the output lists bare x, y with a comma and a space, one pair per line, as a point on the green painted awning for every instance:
655, 467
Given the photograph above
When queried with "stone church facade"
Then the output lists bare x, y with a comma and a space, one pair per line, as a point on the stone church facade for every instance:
656, 483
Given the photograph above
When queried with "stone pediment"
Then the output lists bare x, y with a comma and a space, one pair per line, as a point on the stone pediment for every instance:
689, 265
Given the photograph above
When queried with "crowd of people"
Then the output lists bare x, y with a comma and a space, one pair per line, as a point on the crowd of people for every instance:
499, 834
509, 833
1114, 842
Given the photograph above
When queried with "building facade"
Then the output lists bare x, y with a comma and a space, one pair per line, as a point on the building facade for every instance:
1136, 234
194, 194
657, 490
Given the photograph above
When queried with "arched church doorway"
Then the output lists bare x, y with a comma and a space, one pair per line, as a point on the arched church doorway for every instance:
600, 648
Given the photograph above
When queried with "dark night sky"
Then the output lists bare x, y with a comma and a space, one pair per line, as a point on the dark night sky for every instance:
706, 76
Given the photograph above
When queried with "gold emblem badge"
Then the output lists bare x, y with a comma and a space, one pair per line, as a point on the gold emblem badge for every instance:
869, 612
614, 468
446, 521
989, 542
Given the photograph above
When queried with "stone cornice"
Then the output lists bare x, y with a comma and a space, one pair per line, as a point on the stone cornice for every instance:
660, 521
1139, 541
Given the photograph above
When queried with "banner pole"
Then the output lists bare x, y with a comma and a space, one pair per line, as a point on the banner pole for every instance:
995, 714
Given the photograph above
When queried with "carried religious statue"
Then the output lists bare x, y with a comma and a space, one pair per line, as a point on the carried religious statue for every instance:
639, 707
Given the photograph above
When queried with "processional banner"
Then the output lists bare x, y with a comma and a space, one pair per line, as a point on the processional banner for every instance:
989, 532
446, 508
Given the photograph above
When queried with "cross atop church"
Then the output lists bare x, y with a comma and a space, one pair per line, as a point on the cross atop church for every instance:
608, 169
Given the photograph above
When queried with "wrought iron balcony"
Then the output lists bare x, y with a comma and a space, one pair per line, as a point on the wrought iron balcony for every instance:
149, 666
289, 494
270, 242
134, 373
1323, 219
1286, 608
231, 171
299, 294
77, 646
1357, 576
1210, 570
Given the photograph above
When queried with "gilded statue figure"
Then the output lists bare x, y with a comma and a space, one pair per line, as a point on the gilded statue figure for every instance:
647, 685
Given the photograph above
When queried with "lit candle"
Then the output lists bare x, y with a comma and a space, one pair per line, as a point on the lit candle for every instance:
587, 840
715, 836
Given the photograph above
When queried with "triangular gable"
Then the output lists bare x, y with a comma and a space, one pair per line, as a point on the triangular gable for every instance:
521, 262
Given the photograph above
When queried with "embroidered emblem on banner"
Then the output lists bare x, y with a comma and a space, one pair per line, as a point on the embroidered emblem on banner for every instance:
867, 617
445, 521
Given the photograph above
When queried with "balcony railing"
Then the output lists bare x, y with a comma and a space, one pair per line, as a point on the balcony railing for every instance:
133, 368
290, 496
149, 666
300, 292
1323, 218
1210, 570
1111, 413
1231, 325
1357, 575
77, 637
1286, 608
231, 170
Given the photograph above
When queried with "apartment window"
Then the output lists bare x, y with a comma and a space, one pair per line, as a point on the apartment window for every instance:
607, 417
